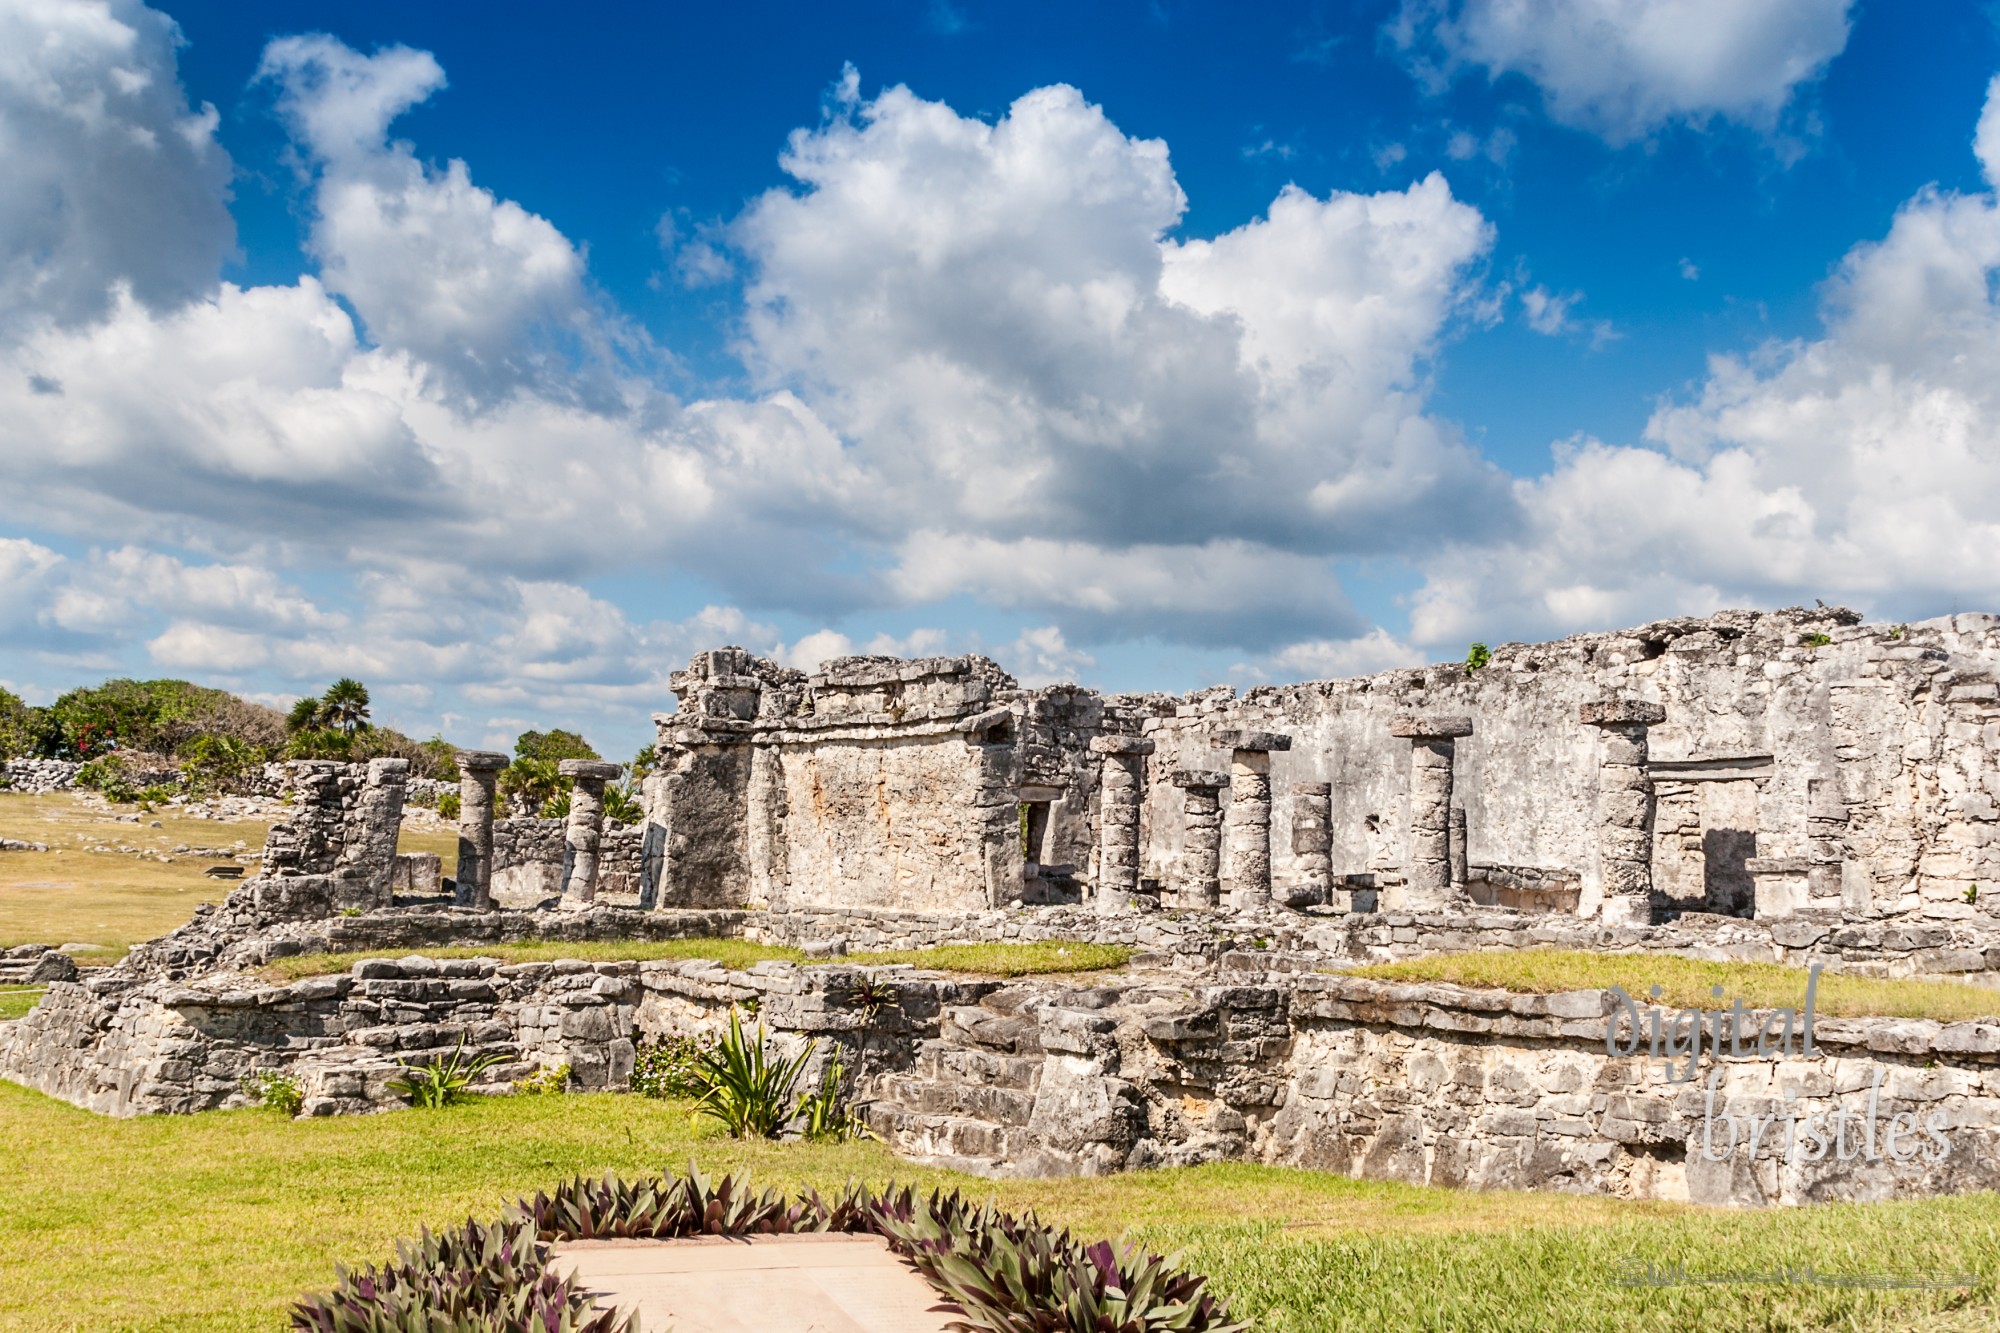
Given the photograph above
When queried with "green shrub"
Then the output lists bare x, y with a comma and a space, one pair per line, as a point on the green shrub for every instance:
622, 805
274, 1088
156, 716
555, 807
1477, 656
552, 1082
529, 783
447, 806
109, 776
17, 730
440, 759
320, 743
737, 1083
443, 1080
666, 1068
552, 747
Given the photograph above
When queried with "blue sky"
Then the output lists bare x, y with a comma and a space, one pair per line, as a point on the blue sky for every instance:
504, 357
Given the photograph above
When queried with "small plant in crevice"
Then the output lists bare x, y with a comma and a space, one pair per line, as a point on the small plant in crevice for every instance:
274, 1088
826, 1115
550, 1082
443, 1080
741, 1085
1477, 656
1898, 631
1972, 895
1815, 640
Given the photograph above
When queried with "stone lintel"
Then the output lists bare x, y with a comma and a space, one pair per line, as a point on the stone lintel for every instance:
481, 761
1783, 865
1253, 741
1430, 726
1312, 789
589, 769
1623, 713
1120, 745
388, 770
1198, 778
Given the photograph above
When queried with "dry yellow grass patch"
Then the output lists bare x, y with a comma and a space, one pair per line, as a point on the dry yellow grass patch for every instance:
118, 898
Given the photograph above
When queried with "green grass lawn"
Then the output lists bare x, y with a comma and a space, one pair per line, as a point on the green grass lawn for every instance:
1686, 983
1002, 960
215, 1221
18, 1000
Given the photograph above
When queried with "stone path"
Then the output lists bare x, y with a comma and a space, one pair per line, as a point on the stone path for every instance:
762, 1284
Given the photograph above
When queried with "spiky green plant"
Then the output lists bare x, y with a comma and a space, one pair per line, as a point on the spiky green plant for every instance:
826, 1115
442, 1080
739, 1084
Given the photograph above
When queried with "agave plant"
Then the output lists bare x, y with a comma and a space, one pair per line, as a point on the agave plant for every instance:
826, 1115
740, 1085
443, 1080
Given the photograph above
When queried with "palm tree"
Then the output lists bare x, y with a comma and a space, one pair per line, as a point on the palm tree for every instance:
345, 705
305, 715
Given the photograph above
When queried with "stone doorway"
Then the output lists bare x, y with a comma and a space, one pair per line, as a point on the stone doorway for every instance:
1705, 833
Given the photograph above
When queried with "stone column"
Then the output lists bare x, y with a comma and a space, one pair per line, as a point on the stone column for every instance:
1201, 845
1624, 808
478, 770
1250, 815
1312, 840
373, 827
1427, 862
586, 826
1118, 819
1459, 862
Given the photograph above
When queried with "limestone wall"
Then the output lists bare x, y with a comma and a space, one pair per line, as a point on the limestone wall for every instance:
531, 860
874, 783
1876, 748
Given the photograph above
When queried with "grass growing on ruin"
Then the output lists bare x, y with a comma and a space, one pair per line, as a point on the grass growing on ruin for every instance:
1036, 958
730, 953
1687, 983
215, 1221
17, 1001
1004, 960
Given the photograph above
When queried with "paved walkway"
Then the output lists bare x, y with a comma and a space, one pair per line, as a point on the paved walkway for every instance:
759, 1284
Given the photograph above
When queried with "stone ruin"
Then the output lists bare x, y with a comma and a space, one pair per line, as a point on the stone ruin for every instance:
1789, 787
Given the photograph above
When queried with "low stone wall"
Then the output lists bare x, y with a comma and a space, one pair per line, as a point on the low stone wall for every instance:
126, 1046
1425, 1083
38, 776
531, 860
1303, 940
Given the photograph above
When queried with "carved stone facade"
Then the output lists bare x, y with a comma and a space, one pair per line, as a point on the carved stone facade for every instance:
1783, 762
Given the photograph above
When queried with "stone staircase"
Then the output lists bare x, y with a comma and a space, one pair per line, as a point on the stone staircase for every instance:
35, 965
967, 1098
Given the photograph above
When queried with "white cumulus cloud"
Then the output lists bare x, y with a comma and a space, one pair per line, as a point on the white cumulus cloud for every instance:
1860, 466
1624, 68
